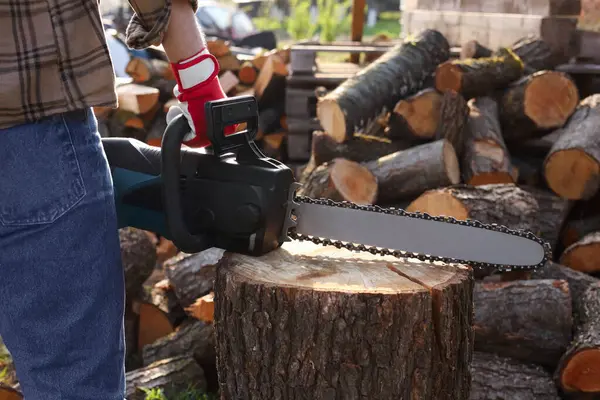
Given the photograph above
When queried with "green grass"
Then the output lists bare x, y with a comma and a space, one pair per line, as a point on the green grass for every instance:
190, 394
389, 24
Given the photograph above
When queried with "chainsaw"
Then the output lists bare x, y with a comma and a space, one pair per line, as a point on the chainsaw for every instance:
231, 196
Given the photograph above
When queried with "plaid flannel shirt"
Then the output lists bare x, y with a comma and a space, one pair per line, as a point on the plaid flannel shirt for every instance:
54, 57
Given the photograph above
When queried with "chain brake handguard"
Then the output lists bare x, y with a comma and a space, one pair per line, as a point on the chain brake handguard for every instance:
231, 196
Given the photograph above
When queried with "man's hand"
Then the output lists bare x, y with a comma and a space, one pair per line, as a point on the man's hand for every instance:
197, 83
196, 71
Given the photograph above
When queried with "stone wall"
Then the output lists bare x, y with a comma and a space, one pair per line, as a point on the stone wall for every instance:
493, 23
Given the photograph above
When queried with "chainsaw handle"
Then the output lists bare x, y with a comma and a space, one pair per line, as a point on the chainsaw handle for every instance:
171, 176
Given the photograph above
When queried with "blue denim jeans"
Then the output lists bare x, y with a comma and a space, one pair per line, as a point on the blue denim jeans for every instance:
61, 279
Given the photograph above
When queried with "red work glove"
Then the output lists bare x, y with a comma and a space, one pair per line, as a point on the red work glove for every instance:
197, 82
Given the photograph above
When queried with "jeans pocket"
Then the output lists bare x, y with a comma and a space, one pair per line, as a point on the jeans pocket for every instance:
40, 177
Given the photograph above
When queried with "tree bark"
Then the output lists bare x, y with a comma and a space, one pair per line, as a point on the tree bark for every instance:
309, 322
454, 114
578, 283
527, 320
172, 375
193, 275
360, 148
138, 255
503, 378
408, 173
399, 72
535, 53
572, 168
195, 338
577, 228
486, 159
536, 103
475, 77
516, 207
340, 180
579, 368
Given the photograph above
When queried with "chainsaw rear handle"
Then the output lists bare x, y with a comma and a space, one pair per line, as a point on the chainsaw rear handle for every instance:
219, 115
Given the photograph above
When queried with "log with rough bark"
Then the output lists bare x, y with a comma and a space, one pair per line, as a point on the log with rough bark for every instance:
429, 115
528, 320
516, 207
535, 53
479, 76
572, 168
173, 375
504, 378
399, 72
579, 368
536, 103
337, 324
486, 159
474, 49
407, 173
454, 114
583, 255
195, 338
577, 228
192, 275
339, 180
578, 283
138, 256
360, 148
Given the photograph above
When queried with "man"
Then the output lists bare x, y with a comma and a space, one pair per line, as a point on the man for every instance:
62, 289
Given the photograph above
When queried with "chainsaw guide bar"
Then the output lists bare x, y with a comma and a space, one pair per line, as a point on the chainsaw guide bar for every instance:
392, 231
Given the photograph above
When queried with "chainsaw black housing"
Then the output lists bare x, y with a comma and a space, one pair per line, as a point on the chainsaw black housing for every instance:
229, 195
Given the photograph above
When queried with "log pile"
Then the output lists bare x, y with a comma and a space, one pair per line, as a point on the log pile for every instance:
499, 137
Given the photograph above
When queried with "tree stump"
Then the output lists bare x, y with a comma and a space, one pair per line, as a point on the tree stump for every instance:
313, 322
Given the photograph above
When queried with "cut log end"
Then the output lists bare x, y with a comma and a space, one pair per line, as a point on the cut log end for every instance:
582, 169
332, 120
328, 269
582, 372
583, 254
550, 99
421, 113
353, 181
448, 77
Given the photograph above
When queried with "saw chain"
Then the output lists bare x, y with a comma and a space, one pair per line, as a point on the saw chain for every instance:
424, 216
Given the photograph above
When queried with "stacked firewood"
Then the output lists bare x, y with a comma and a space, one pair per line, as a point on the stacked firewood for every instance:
496, 136
147, 94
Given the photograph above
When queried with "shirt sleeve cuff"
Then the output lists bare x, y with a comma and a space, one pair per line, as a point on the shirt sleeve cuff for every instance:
150, 21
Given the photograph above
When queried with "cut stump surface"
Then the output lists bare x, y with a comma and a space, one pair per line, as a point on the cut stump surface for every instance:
307, 321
